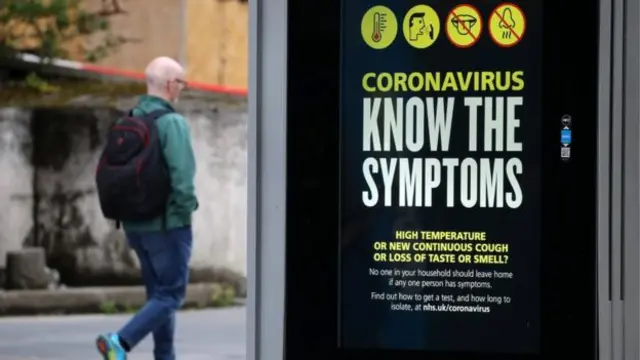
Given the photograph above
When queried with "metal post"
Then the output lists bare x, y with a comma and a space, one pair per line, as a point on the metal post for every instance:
630, 180
615, 178
267, 179
618, 181
604, 199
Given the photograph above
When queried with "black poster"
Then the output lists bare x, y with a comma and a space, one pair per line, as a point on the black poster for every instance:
440, 184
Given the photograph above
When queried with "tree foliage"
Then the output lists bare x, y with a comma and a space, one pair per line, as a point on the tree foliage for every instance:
54, 29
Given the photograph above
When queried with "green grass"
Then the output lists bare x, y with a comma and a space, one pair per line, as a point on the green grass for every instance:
111, 307
108, 307
34, 91
223, 296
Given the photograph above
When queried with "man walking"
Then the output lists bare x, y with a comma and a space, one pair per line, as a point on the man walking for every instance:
146, 181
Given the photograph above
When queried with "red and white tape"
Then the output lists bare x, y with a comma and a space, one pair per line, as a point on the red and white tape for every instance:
103, 70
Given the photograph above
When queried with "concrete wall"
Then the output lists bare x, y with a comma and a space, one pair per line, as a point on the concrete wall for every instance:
47, 163
16, 179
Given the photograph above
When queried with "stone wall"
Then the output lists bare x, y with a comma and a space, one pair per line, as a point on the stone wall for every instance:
47, 163
16, 180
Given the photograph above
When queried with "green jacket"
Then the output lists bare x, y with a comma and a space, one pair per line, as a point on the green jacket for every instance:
175, 139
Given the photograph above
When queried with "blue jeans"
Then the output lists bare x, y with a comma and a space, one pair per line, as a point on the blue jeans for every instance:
164, 261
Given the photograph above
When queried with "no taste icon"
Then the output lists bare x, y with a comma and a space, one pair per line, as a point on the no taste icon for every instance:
464, 26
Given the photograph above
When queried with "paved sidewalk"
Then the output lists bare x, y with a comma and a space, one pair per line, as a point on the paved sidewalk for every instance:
202, 335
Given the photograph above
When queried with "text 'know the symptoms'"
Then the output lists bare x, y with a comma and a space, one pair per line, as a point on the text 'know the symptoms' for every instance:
416, 125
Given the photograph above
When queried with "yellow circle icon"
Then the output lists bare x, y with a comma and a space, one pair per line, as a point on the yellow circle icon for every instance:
464, 26
421, 26
507, 24
379, 27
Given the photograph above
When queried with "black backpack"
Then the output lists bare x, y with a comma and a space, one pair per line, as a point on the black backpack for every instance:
132, 176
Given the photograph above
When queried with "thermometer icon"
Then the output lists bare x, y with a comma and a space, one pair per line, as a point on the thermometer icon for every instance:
377, 35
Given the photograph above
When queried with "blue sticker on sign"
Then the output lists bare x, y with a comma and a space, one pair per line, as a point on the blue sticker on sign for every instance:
565, 137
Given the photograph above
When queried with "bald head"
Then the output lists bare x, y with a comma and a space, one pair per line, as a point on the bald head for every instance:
165, 78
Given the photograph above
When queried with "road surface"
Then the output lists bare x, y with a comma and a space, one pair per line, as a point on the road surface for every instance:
201, 335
